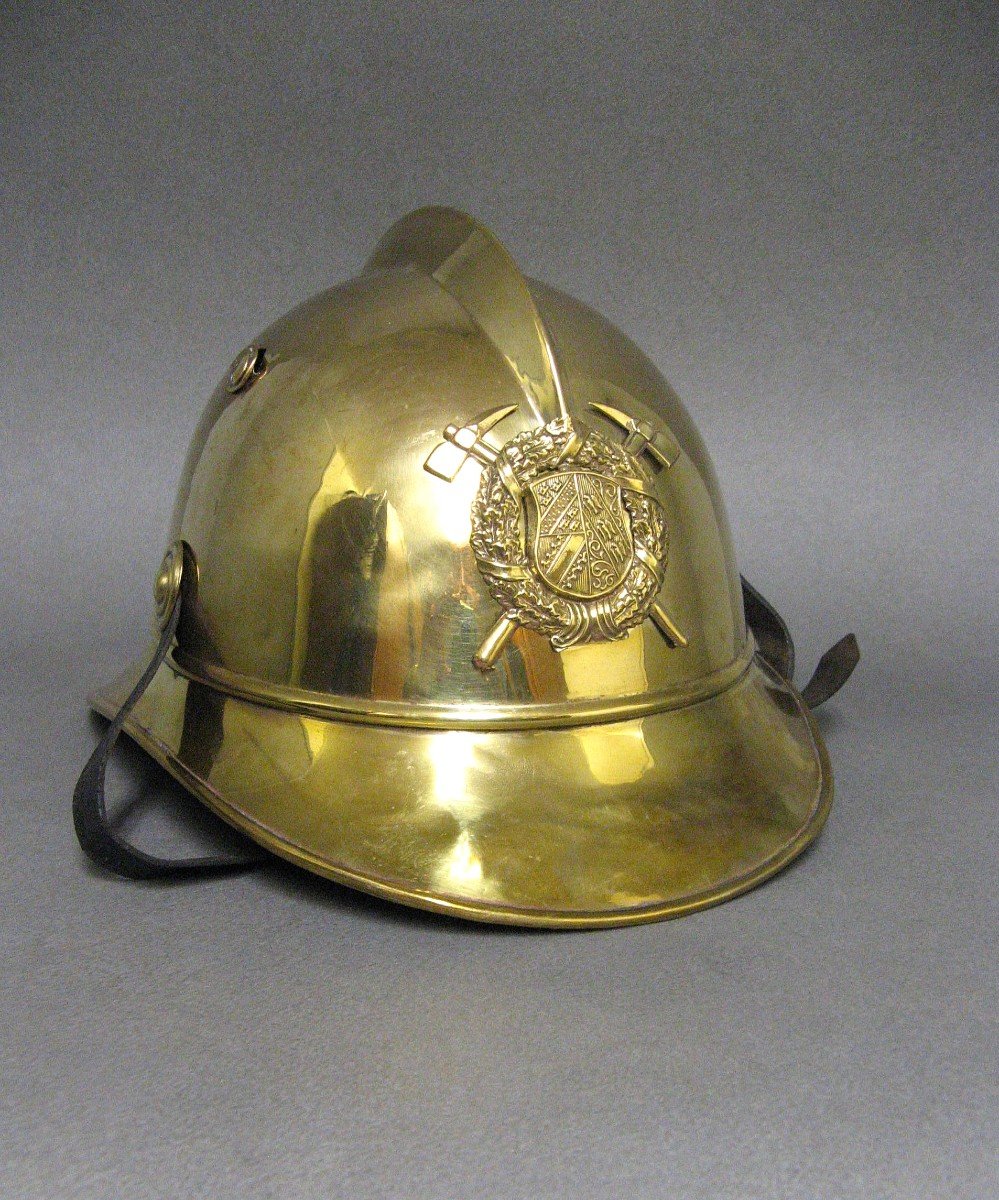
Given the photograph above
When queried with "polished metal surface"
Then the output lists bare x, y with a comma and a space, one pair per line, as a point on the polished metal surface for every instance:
606, 824
411, 662
330, 560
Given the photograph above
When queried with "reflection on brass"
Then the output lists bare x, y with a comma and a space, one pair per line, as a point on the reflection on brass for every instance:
619, 704
526, 828
471, 672
346, 561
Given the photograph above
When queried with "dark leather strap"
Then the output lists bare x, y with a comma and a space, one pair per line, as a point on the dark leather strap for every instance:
106, 847
776, 647
773, 638
98, 837
833, 670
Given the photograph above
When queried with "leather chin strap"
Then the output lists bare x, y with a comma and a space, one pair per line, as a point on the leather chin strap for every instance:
99, 838
108, 849
776, 648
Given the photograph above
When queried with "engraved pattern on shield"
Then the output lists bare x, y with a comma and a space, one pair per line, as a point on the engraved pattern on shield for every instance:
582, 545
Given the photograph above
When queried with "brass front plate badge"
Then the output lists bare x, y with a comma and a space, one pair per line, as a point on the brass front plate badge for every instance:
565, 530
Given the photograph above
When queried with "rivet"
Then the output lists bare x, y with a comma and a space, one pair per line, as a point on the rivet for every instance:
249, 365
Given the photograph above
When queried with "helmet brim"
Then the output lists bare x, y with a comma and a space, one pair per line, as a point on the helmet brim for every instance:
597, 825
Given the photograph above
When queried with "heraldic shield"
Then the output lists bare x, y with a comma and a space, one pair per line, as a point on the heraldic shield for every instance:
580, 533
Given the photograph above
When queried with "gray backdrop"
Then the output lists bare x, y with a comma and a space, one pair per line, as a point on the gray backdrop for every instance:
789, 206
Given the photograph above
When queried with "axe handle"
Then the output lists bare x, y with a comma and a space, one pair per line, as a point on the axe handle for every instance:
495, 640
666, 626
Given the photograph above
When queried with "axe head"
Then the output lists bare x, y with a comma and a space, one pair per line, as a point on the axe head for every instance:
447, 458
445, 461
659, 444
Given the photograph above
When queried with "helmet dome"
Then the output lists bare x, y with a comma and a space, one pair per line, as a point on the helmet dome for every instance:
330, 561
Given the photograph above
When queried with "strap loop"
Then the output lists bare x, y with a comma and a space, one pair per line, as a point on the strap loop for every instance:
99, 839
834, 669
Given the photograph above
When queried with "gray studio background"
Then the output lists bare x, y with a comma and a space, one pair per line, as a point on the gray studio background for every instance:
789, 206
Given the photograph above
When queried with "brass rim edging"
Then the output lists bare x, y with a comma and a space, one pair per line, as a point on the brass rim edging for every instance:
440, 716
497, 914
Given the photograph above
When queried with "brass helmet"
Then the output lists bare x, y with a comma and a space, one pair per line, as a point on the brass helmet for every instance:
451, 614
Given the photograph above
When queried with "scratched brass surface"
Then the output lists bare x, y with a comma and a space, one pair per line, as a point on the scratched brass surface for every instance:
329, 692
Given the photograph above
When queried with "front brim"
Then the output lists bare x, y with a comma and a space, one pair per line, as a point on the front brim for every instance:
602, 824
